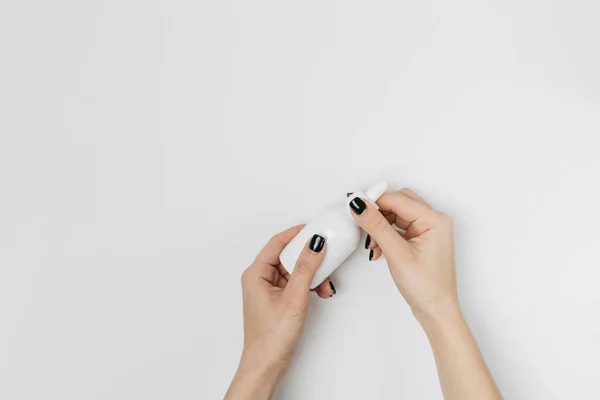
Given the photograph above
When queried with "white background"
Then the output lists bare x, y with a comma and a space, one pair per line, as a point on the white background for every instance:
150, 148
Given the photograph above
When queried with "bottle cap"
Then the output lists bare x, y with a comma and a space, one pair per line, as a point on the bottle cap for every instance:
376, 191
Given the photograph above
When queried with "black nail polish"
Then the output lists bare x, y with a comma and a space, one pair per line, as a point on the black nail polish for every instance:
370, 255
316, 243
332, 288
358, 206
367, 241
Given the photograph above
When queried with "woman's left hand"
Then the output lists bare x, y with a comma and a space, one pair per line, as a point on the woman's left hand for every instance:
275, 310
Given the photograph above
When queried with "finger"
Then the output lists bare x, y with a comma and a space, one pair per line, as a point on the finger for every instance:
267, 265
375, 224
281, 282
409, 193
419, 216
270, 253
398, 221
326, 289
281, 276
375, 254
307, 264
389, 215
393, 219
265, 272
283, 272
375, 247
370, 243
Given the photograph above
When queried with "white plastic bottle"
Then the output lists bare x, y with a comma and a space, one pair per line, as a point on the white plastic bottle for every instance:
340, 230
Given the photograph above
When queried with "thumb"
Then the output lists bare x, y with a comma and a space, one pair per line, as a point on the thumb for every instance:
375, 224
298, 286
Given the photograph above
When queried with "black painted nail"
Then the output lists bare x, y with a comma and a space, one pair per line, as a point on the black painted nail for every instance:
370, 255
316, 243
332, 288
358, 206
367, 241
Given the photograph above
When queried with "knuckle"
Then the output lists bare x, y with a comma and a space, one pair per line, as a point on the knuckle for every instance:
444, 218
245, 276
276, 240
303, 266
378, 224
406, 191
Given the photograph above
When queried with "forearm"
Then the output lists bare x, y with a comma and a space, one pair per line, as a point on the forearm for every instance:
461, 368
253, 380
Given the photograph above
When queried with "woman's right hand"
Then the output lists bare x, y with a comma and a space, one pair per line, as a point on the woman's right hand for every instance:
421, 260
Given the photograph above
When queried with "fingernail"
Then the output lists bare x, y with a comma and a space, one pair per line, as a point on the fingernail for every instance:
367, 241
316, 243
370, 255
357, 205
332, 288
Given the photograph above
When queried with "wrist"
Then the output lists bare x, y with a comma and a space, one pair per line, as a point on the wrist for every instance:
439, 315
259, 364
254, 379
256, 376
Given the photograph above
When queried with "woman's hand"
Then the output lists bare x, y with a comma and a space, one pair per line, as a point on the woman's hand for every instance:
275, 309
421, 260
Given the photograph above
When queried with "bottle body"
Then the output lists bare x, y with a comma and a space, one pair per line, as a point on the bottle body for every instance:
342, 236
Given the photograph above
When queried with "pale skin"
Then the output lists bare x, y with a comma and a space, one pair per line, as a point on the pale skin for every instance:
421, 263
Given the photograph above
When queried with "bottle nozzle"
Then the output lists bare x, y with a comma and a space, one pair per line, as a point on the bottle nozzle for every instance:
376, 191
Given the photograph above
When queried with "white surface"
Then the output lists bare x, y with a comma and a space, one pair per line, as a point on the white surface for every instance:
119, 120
